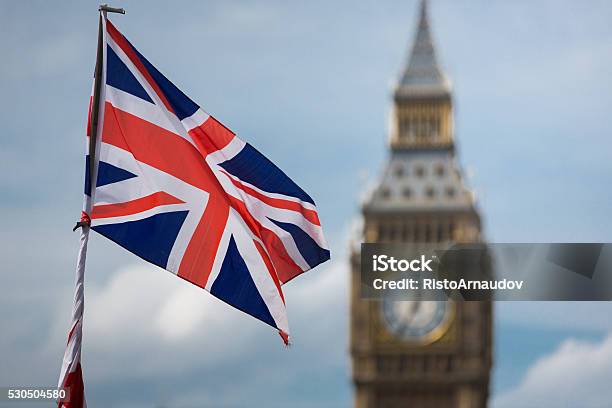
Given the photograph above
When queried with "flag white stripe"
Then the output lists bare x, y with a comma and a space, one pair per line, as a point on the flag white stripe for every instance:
233, 148
195, 120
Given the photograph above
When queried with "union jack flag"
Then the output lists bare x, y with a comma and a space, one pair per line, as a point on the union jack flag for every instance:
182, 191
176, 187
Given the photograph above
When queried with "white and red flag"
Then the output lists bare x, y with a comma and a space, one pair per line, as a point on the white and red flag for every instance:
180, 190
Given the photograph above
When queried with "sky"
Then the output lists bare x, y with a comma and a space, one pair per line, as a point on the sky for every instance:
308, 84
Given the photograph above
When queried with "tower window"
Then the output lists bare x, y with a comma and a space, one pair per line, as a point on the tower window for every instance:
399, 171
430, 192
385, 193
419, 171
440, 170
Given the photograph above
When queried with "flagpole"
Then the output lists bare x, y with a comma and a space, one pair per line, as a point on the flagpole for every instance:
71, 377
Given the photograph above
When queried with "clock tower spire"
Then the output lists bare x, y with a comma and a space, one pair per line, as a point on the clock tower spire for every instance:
422, 111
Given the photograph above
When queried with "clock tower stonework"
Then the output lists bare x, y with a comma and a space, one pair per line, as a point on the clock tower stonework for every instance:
426, 354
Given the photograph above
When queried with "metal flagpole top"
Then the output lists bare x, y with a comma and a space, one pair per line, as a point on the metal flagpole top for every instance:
108, 9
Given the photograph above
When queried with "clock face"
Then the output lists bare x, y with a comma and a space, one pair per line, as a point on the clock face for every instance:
416, 320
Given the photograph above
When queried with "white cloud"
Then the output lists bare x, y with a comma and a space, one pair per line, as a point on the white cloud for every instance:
577, 374
185, 310
143, 311
142, 301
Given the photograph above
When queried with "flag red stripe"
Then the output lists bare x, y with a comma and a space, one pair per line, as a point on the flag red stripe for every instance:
310, 215
71, 332
199, 257
151, 144
89, 117
211, 136
135, 206
75, 389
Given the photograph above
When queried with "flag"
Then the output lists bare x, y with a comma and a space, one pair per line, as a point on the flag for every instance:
182, 191
176, 187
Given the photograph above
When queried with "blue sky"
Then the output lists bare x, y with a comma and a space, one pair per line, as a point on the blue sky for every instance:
309, 84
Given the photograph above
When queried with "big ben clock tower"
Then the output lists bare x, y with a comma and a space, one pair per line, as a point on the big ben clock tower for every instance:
427, 354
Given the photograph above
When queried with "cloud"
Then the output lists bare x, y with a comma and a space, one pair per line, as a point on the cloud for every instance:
577, 374
142, 301
142, 311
